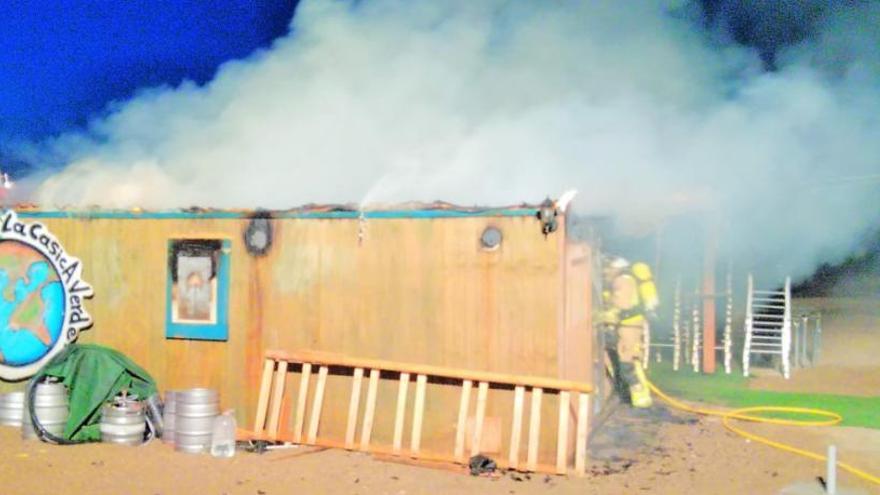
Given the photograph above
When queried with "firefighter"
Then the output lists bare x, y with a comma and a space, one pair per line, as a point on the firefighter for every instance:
630, 300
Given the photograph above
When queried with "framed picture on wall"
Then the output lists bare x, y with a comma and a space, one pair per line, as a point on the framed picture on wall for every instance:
197, 289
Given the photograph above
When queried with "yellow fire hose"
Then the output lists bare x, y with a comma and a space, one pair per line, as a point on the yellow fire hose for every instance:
753, 414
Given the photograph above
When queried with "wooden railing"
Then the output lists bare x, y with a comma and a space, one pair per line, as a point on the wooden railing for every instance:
279, 363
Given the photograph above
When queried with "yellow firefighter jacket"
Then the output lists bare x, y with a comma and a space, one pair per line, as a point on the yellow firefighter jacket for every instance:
630, 295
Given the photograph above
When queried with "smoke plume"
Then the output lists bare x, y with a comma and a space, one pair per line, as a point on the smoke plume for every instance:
497, 102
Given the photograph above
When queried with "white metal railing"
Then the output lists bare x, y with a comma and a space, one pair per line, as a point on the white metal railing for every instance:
686, 341
727, 343
807, 337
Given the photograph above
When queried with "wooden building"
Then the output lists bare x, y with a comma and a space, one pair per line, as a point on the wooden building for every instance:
477, 289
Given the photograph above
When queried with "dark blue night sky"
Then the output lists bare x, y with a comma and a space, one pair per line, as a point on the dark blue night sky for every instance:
62, 61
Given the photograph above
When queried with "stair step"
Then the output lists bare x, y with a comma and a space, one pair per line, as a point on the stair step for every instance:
768, 306
769, 317
773, 292
761, 351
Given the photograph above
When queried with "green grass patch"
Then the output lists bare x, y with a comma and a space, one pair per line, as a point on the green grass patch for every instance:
733, 391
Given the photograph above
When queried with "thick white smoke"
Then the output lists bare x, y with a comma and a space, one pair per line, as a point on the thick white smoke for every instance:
495, 102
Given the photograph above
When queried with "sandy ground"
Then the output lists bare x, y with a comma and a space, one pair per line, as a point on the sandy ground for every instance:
635, 452
669, 454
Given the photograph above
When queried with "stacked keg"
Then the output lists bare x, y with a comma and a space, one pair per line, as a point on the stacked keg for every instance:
11, 409
188, 417
50, 408
168, 416
123, 421
193, 424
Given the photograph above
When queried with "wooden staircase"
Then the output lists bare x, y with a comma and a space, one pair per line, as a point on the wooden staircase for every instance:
768, 325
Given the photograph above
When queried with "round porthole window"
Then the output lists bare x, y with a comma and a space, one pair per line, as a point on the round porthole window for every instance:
491, 238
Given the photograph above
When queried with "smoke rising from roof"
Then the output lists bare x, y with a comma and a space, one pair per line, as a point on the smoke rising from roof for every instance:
499, 102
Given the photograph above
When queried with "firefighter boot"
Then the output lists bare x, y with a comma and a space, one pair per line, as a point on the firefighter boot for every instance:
640, 392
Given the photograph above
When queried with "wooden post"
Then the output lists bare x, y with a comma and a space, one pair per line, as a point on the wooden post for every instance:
580, 449
317, 404
277, 395
709, 296
462, 420
263, 401
418, 414
728, 318
353, 407
562, 436
369, 410
401, 409
482, 394
534, 429
676, 326
747, 346
301, 402
516, 428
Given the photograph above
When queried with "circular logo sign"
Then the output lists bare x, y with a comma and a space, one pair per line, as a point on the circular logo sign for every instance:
41, 297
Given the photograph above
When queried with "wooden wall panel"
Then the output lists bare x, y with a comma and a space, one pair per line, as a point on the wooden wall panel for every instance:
417, 290
125, 260
578, 335
414, 290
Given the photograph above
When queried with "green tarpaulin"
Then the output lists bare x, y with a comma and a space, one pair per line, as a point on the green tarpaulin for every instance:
93, 375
